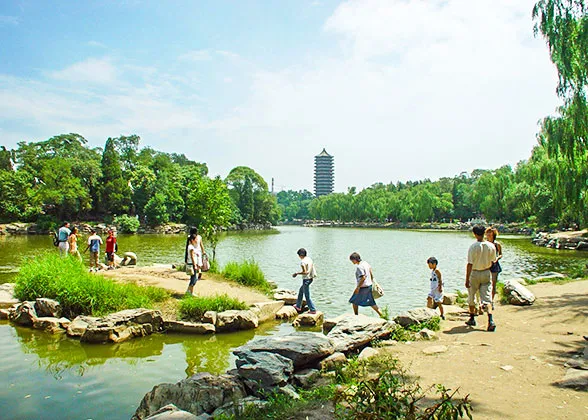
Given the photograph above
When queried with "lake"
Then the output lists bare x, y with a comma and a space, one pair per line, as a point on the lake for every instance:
45, 376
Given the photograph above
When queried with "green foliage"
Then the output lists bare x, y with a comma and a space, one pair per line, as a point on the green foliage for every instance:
79, 292
115, 194
251, 197
433, 324
386, 312
126, 223
294, 204
156, 210
246, 273
462, 298
194, 307
577, 271
503, 298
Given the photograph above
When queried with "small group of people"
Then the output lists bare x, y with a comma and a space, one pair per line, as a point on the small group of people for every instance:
68, 245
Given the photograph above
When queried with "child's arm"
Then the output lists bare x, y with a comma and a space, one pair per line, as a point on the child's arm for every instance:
440, 287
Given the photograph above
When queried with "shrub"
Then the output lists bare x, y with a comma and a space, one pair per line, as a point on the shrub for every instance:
193, 307
79, 292
247, 273
127, 224
47, 223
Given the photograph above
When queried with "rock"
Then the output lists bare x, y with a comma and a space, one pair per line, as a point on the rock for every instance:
355, 331
287, 312
123, 325
200, 393
188, 327
308, 319
517, 294
367, 353
289, 297
289, 391
333, 361
549, 276
209, 317
261, 371
171, 412
574, 378
329, 324
388, 343
51, 324
585, 352
4, 314
236, 320
306, 377
427, 334
449, 298
7, 298
78, 326
129, 258
519, 280
266, 311
24, 314
576, 364
435, 350
506, 368
303, 348
235, 408
47, 308
415, 316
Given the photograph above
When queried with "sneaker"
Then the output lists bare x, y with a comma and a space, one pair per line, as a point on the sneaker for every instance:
471, 322
492, 305
443, 317
491, 326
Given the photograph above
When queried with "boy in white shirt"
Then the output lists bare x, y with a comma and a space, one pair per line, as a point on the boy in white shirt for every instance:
308, 274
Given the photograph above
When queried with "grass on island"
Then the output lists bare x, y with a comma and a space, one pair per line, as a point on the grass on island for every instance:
79, 292
248, 274
363, 390
194, 307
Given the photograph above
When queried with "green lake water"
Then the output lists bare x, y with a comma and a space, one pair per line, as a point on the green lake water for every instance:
49, 377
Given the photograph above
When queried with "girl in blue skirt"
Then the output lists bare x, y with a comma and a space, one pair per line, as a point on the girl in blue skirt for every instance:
362, 295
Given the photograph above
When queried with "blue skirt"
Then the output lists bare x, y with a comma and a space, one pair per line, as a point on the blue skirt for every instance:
364, 297
496, 268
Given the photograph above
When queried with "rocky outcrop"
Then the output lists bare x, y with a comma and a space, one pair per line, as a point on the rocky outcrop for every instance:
23, 314
415, 317
51, 325
171, 412
266, 311
575, 241
263, 371
352, 332
123, 325
236, 320
209, 317
309, 320
517, 294
78, 326
303, 348
188, 327
574, 378
198, 394
7, 299
47, 308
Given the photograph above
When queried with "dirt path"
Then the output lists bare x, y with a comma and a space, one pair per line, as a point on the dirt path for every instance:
535, 341
177, 282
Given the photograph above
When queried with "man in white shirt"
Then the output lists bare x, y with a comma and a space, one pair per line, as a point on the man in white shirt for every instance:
62, 236
481, 254
308, 273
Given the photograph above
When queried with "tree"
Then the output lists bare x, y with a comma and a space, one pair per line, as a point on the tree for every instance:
249, 192
156, 210
115, 193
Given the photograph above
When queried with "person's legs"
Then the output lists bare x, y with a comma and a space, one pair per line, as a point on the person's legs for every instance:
440, 305
472, 290
193, 280
494, 281
306, 289
298, 305
429, 302
355, 309
375, 308
486, 297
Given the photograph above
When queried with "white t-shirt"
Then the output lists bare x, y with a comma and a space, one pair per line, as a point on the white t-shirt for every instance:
481, 255
363, 269
308, 267
197, 255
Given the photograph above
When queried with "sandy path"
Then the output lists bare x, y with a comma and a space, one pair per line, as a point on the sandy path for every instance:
177, 282
536, 341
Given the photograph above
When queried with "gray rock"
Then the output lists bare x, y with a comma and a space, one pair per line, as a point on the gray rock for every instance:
171, 412
266, 311
7, 298
517, 294
333, 361
578, 363
188, 327
47, 308
200, 393
355, 331
435, 350
427, 334
309, 320
303, 348
289, 297
129, 258
368, 353
549, 276
4, 314
209, 317
306, 377
236, 321
449, 298
287, 312
415, 316
123, 325
51, 324
262, 371
519, 280
24, 314
574, 378
78, 326
237, 407
329, 324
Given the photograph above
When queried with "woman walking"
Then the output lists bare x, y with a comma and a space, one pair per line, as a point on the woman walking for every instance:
495, 269
362, 295
72, 241
193, 262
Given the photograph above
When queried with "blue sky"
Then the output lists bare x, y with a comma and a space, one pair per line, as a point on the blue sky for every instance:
394, 89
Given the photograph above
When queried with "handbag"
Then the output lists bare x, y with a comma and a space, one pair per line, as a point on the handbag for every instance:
205, 263
190, 270
377, 291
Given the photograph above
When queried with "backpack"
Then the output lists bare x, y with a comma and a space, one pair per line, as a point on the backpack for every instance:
55, 239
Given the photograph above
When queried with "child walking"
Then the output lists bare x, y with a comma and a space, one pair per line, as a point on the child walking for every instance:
308, 274
435, 298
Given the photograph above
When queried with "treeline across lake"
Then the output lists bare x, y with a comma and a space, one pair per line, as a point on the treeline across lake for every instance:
63, 179
545, 191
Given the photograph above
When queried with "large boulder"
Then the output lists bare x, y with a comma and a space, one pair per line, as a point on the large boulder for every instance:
7, 298
287, 312
78, 326
332, 362
129, 258
47, 308
574, 378
309, 320
415, 316
123, 325
289, 297
517, 294
263, 371
51, 324
23, 314
355, 331
188, 327
266, 311
236, 320
198, 394
303, 348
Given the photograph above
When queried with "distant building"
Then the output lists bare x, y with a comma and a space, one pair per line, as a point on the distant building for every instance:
324, 174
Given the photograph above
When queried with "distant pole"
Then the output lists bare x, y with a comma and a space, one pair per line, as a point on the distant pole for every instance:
272, 185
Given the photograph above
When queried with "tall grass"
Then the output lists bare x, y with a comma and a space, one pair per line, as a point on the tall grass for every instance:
79, 292
193, 307
246, 273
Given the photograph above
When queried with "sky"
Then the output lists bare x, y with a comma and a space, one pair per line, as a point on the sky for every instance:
395, 90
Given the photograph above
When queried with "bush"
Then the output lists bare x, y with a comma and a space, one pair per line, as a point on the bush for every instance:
47, 223
126, 223
247, 273
193, 307
79, 292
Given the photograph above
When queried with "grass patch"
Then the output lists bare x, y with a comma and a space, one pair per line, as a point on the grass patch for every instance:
462, 298
194, 307
501, 294
79, 292
248, 274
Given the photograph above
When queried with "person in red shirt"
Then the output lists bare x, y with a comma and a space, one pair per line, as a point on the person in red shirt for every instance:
110, 248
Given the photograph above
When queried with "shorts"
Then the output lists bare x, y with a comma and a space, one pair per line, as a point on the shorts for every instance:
94, 259
110, 256
482, 281
436, 295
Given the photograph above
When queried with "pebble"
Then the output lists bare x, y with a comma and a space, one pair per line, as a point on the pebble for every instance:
506, 368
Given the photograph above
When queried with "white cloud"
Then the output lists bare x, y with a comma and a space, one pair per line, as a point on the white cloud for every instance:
196, 55
95, 44
8, 20
92, 70
227, 54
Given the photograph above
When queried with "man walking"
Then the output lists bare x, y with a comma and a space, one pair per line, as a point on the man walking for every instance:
481, 255
62, 236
